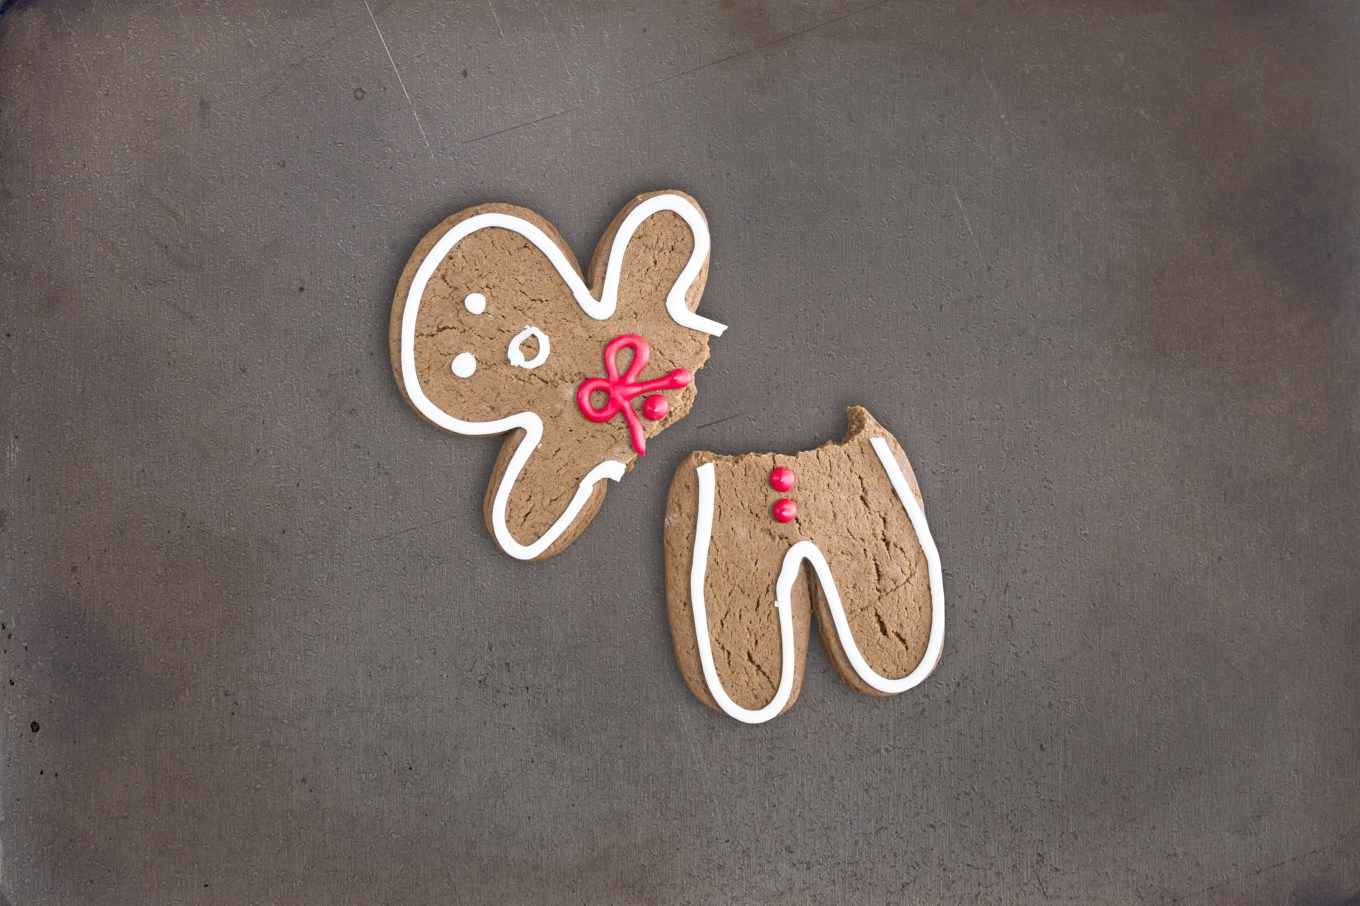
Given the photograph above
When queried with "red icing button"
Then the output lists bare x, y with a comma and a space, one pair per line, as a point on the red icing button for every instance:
655, 407
785, 510
782, 479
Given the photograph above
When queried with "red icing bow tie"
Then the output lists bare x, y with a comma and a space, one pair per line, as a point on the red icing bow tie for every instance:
622, 389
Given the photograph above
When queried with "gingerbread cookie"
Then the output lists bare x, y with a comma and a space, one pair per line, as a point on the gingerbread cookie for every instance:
757, 544
494, 331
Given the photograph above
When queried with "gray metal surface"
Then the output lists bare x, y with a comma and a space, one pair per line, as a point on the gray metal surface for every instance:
1094, 264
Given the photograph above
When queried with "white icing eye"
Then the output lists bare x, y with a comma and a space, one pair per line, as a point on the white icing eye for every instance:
475, 303
464, 364
517, 355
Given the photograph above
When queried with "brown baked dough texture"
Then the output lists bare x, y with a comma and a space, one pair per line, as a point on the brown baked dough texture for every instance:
522, 288
846, 506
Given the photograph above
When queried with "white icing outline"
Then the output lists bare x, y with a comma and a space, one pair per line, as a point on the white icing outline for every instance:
516, 355
599, 309
793, 559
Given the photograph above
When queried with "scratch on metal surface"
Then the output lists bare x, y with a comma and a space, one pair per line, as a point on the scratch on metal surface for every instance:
780, 40
399, 79
1344, 835
279, 77
703, 769
414, 528
726, 418
1001, 112
556, 43
971, 234
677, 75
521, 125
506, 42
1042, 888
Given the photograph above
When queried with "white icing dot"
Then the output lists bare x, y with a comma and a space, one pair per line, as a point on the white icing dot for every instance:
464, 364
475, 302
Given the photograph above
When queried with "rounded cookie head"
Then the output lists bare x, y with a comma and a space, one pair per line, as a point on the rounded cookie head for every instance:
485, 327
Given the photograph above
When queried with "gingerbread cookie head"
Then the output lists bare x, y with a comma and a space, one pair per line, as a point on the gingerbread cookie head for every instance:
494, 330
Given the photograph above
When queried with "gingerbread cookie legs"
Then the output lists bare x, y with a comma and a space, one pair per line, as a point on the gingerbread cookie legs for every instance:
756, 544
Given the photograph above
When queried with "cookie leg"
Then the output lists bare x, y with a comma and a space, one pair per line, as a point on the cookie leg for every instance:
739, 608
873, 663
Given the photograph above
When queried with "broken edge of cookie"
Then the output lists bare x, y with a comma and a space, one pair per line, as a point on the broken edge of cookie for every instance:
776, 563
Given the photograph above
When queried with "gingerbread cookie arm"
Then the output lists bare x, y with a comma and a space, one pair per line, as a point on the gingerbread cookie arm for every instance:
683, 296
